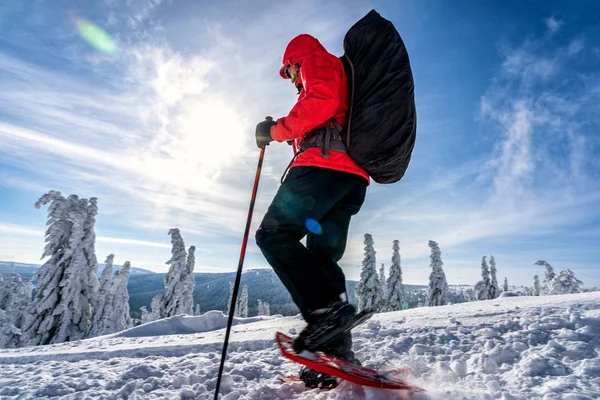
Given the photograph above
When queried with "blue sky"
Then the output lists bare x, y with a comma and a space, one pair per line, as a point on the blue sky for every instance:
506, 160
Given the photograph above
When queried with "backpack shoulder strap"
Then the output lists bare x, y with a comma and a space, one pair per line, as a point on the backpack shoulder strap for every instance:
349, 69
337, 125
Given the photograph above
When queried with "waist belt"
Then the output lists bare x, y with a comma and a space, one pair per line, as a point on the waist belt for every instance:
327, 138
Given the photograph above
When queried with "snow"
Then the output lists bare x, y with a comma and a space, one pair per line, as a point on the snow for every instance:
525, 347
183, 324
509, 294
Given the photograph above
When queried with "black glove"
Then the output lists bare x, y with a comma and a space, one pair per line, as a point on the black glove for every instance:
263, 132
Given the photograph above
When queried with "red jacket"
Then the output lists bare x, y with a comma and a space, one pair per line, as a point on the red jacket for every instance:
324, 95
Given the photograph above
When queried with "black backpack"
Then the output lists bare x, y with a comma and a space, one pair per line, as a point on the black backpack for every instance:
382, 120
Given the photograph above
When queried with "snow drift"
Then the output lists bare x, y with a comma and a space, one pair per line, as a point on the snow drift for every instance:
524, 347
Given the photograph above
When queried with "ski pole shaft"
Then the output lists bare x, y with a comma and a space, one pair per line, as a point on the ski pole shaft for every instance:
238, 276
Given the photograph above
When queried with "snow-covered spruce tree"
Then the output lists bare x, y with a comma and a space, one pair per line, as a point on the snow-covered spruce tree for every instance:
482, 288
67, 283
548, 276
145, 315
89, 242
230, 299
260, 307
3, 293
438, 287
368, 289
536, 285
243, 303
384, 297
102, 303
189, 283
565, 283
15, 297
494, 286
173, 302
505, 286
263, 308
470, 295
395, 289
155, 308
121, 318
9, 334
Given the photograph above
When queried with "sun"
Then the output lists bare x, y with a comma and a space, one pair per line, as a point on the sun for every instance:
200, 139
210, 135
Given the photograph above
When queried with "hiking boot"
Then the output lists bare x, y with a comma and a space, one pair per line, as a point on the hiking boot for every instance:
315, 379
340, 347
324, 323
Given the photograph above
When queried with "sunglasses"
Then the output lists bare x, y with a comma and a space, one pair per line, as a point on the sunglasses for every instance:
293, 76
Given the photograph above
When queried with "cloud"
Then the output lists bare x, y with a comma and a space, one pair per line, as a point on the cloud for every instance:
132, 242
20, 230
528, 67
515, 162
553, 25
576, 46
26, 244
538, 119
27, 231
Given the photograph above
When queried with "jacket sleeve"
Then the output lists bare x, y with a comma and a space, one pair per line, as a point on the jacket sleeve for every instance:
321, 81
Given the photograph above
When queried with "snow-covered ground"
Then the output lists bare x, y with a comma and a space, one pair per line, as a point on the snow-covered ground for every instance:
508, 348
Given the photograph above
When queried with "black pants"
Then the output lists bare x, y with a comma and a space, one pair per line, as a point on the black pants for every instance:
308, 195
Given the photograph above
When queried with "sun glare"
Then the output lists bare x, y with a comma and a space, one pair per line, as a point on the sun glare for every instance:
211, 135
96, 36
204, 138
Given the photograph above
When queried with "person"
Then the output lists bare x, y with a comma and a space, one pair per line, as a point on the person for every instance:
322, 190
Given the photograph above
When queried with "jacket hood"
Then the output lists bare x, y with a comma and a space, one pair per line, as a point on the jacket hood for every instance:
297, 49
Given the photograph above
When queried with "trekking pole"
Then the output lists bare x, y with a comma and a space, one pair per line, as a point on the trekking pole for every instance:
238, 277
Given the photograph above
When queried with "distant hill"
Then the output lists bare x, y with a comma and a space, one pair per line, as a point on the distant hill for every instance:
27, 270
134, 271
211, 290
